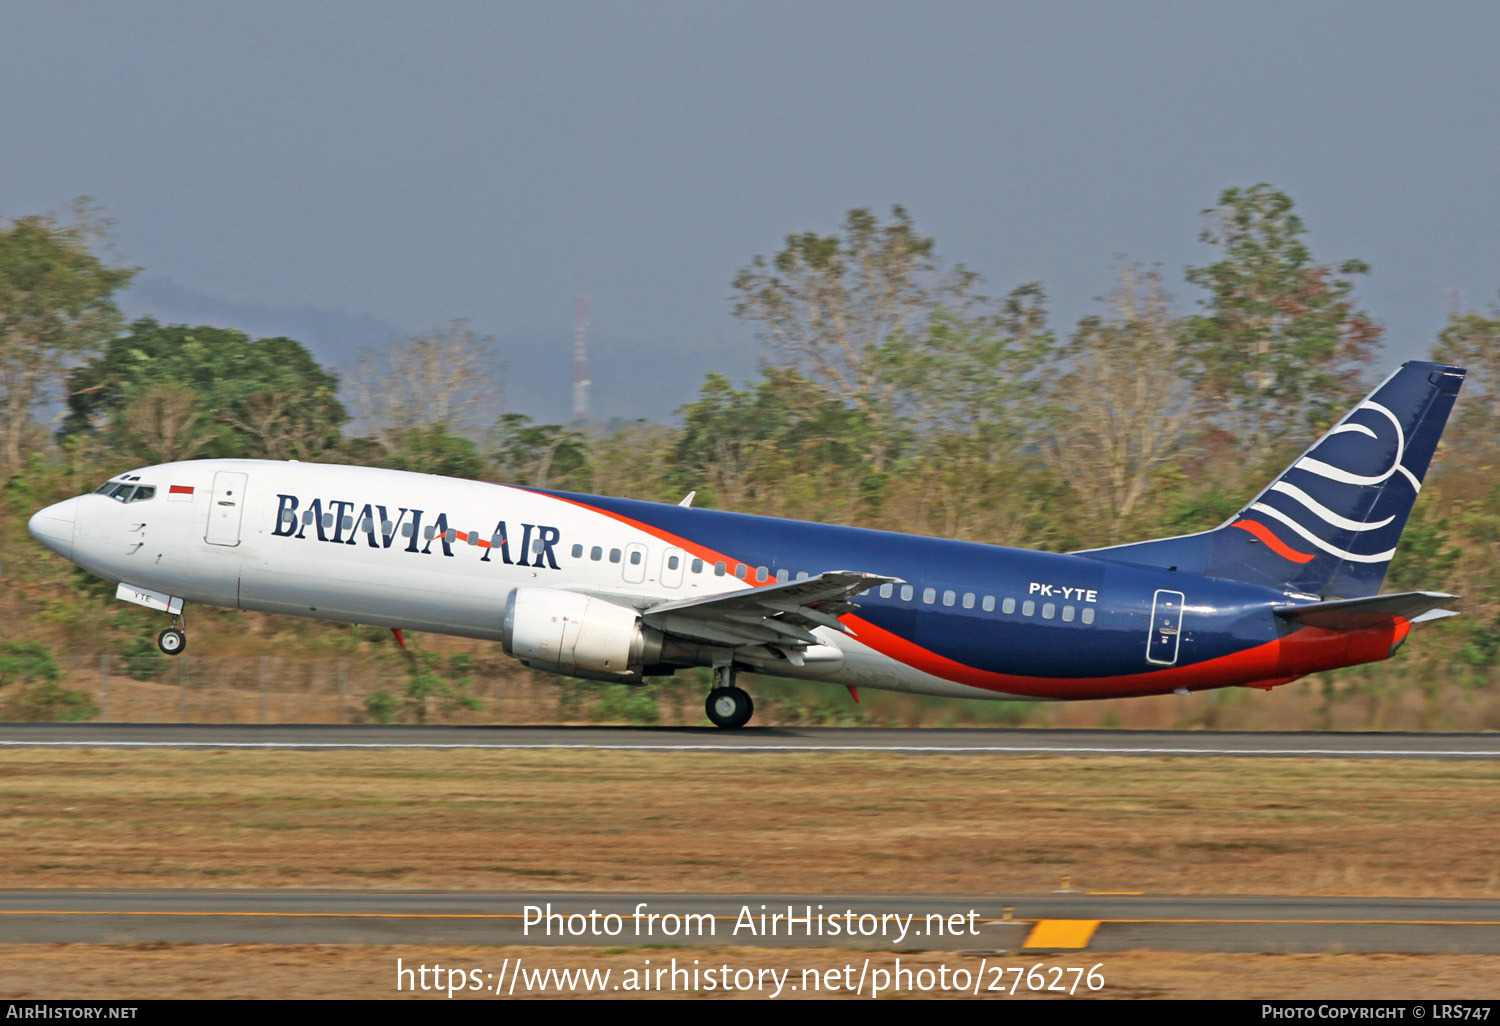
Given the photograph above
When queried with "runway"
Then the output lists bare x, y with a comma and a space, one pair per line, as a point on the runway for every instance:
767, 739
898, 922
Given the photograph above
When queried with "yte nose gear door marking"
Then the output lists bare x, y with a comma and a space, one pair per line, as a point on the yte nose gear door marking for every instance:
1166, 628
226, 508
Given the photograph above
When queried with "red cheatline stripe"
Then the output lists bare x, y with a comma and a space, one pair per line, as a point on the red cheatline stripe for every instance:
181, 490
1259, 662
1274, 543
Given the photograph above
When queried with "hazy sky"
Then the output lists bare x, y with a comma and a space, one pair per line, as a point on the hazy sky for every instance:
343, 169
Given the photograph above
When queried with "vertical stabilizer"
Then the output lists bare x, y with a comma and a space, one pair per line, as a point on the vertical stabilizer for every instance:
1330, 523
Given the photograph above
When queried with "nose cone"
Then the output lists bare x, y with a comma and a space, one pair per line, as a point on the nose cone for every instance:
53, 526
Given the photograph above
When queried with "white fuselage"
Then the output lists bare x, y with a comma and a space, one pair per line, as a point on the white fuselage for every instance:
404, 550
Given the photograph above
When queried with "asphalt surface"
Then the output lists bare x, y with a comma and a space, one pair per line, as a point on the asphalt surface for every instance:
971, 923
762, 739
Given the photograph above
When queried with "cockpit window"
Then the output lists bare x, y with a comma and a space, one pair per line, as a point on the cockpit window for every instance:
124, 491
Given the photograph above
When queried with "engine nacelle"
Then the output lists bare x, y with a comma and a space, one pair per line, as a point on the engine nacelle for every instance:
568, 633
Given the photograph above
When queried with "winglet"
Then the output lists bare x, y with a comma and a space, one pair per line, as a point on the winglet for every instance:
687, 500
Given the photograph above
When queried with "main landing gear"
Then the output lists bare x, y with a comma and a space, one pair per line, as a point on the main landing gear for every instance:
174, 639
727, 705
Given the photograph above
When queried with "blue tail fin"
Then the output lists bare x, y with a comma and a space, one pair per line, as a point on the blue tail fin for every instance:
1329, 524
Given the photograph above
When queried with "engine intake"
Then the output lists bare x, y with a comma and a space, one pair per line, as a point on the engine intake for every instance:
568, 633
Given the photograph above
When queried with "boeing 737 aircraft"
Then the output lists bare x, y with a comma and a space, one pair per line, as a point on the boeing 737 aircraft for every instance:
621, 590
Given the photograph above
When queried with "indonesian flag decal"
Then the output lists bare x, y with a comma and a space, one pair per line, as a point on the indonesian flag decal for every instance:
181, 493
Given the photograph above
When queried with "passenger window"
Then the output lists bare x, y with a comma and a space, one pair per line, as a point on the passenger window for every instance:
929, 596
1049, 610
596, 553
577, 551
906, 592
1067, 614
614, 555
697, 566
741, 570
949, 597
968, 600
1008, 606
328, 522
635, 555
406, 530
989, 603
761, 573
1028, 607
346, 523
1088, 614
803, 575
673, 562
886, 590
719, 569
782, 576
427, 533
386, 527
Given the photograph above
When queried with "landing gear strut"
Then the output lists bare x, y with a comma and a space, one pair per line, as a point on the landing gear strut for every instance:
174, 639
727, 705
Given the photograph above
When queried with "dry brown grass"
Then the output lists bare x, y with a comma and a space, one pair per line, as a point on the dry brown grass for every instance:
715, 822
141, 971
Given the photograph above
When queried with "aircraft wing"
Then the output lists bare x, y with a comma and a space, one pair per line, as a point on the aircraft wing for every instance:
1374, 611
783, 615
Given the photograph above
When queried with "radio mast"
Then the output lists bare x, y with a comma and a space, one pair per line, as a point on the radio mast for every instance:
581, 364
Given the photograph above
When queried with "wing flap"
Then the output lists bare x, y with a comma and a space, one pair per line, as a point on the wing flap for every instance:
1375, 611
780, 614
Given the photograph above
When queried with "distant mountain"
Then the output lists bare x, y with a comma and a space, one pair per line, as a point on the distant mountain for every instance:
632, 378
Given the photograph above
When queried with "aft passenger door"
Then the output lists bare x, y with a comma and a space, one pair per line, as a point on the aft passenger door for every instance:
226, 508
1166, 628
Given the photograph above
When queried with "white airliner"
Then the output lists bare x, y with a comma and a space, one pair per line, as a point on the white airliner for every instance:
620, 590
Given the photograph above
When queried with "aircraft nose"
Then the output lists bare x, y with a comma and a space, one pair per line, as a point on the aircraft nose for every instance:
53, 526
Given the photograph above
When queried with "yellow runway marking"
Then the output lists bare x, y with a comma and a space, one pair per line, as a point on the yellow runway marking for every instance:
1061, 933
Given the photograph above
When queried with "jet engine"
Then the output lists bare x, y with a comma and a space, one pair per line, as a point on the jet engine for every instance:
568, 633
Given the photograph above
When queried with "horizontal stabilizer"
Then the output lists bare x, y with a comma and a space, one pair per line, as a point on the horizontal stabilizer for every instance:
1376, 611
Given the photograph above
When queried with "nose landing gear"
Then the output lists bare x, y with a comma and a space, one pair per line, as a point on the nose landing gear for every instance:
174, 639
727, 705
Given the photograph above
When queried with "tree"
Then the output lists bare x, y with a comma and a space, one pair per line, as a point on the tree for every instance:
970, 377
165, 392
965, 397
826, 303
782, 446
430, 450
1472, 340
1280, 347
56, 304
540, 455
443, 378
1121, 403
